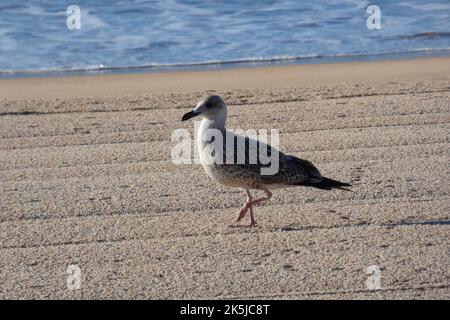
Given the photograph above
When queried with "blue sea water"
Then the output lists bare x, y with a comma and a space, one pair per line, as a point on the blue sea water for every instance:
128, 34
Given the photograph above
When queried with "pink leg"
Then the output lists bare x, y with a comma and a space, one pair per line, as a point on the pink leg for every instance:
249, 206
244, 208
252, 218
267, 197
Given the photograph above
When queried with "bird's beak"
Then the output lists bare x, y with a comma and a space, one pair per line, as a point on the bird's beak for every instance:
189, 115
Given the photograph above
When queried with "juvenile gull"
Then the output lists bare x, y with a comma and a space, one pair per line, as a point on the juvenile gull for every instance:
248, 174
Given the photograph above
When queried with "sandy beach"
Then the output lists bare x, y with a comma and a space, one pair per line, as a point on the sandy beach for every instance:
87, 180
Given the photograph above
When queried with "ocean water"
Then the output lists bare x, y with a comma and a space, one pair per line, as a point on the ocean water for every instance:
137, 34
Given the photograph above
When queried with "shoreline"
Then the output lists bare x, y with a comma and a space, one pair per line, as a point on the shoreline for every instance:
273, 76
227, 64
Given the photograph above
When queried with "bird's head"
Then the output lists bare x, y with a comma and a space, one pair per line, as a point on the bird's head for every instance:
211, 108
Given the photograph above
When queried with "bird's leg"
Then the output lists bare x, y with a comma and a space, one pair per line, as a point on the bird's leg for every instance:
249, 206
258, 200
252, 218
245, 207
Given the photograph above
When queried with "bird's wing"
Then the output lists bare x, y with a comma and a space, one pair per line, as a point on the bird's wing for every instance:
295, 171
291, 170
246, 152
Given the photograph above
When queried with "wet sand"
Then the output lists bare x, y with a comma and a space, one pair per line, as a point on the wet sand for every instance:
87, 180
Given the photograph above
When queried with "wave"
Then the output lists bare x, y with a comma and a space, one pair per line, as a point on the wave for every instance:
427, 35
212, 63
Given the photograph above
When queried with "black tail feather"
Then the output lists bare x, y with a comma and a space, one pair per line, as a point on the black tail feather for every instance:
328, 184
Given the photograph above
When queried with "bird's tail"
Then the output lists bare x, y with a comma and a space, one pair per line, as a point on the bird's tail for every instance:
328, 184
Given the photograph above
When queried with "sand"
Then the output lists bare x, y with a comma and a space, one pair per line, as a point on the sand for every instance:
86, 179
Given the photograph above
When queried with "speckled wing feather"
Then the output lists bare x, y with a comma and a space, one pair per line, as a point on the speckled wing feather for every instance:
292, 170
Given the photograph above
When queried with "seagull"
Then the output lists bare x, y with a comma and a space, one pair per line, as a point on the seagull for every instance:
220, 159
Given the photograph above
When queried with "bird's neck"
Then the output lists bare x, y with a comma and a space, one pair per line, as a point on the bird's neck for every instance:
215, 122
212, 124
209, 127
